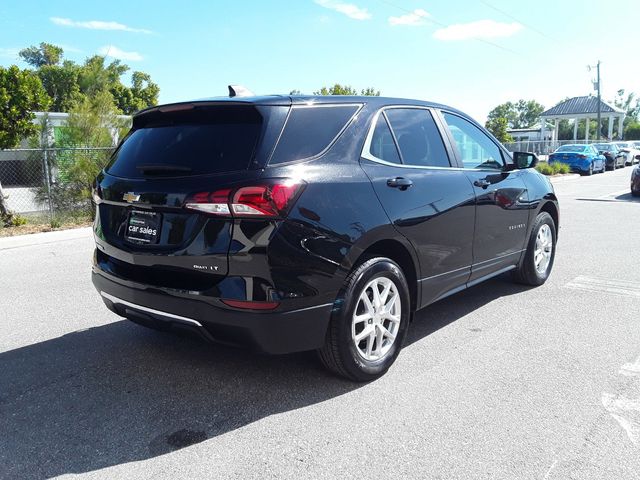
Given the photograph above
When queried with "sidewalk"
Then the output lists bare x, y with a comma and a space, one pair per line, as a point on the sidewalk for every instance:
17, 241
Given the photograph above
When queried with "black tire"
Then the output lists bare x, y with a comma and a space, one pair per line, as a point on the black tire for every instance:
526, 273
340, 353
635, 193
590, 171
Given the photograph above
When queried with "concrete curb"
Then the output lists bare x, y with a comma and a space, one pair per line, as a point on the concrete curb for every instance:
563, 178
27, 240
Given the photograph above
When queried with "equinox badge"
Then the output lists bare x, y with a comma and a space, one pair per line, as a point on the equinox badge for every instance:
130, 197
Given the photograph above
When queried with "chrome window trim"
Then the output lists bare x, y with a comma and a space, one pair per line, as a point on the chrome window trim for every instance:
366, 149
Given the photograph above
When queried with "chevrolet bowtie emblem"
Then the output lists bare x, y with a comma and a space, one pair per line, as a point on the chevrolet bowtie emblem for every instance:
130, 197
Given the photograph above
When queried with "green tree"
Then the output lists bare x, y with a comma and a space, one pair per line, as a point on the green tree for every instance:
632, 131
43, 55
61, 84
498, 127
142, 94
21, 94
630, 104
92, 123
339, 89
522, 114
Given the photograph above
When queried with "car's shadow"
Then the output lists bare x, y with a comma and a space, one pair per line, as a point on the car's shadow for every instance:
120, 393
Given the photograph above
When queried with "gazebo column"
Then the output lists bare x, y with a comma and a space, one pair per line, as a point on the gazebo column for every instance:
575, 129
556, 128
610, 135
620, 126
586, 129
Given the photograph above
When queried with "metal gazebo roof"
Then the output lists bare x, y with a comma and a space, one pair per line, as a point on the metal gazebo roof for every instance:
581, 107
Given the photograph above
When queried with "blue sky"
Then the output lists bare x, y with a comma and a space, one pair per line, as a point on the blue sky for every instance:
472, 55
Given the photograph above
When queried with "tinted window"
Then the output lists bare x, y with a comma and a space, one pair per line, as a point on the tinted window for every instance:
220, 140
382, 144
310, 130
418, 138
571, 148
476, 149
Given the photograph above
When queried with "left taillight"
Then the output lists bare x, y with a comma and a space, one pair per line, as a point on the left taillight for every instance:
271, 199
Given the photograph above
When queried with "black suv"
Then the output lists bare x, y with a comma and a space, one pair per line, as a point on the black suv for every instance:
312, 223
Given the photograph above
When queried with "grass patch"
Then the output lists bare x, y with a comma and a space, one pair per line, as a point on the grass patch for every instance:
41, 222
555, 168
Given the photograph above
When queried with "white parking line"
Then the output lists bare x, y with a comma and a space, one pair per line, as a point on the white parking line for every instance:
601, 285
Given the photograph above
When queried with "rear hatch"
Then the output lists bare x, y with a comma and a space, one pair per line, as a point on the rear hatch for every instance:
144, 233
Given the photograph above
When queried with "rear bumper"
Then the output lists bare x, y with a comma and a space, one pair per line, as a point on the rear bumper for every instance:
269, 332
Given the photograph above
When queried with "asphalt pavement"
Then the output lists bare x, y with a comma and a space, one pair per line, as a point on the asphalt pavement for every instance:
499, 381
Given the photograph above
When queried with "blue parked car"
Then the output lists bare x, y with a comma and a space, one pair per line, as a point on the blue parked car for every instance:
584, 159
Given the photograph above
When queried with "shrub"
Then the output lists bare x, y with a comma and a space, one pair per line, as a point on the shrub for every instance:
562, 168
545, 168
554, 168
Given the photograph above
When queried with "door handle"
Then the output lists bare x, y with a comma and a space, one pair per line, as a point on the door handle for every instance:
399, 182
482, 182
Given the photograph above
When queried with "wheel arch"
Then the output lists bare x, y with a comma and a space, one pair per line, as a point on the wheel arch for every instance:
403, 254
551, 208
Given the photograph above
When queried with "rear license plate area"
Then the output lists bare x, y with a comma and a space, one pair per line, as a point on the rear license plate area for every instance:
143, 228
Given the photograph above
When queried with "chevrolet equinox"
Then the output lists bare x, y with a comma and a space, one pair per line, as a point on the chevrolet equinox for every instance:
291, 223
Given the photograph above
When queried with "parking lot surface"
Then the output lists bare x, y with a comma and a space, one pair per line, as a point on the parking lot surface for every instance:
499, 381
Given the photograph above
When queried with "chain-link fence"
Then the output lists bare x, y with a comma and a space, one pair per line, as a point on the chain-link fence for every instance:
41, 185
542, 147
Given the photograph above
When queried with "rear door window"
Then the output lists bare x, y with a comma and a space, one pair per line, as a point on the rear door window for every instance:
216, 141
419, 141
311, 130
382, 144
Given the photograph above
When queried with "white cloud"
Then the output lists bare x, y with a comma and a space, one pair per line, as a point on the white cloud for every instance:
348, 9
115, 52
414, 19
9, 52
480, 29
97, 25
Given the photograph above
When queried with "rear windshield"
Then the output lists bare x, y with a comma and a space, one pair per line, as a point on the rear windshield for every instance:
572, 148
310, 130
603, 146
217, 140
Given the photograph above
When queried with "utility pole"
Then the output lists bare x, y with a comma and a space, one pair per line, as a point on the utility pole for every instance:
596, 86
599, 103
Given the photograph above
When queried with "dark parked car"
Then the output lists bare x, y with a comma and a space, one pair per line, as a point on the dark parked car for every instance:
615, 158
312, 223
635, 179
583, 159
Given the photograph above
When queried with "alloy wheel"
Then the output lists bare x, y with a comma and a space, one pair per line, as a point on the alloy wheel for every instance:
544, 249
376, 319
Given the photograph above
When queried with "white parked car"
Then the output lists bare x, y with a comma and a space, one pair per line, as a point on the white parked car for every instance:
630, 150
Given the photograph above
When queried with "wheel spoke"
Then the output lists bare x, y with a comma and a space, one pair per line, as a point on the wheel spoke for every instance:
387, 333
379, 338
361, 318
376, 295
385, 294
364, 333
367, 303
372, 336
389, 305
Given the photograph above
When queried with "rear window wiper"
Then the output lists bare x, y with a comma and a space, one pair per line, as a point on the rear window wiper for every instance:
163, 168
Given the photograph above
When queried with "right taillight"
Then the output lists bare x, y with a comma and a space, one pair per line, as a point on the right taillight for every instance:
270, 199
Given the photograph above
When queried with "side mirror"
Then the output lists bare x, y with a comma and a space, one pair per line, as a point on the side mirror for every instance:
523, 160
638, 157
